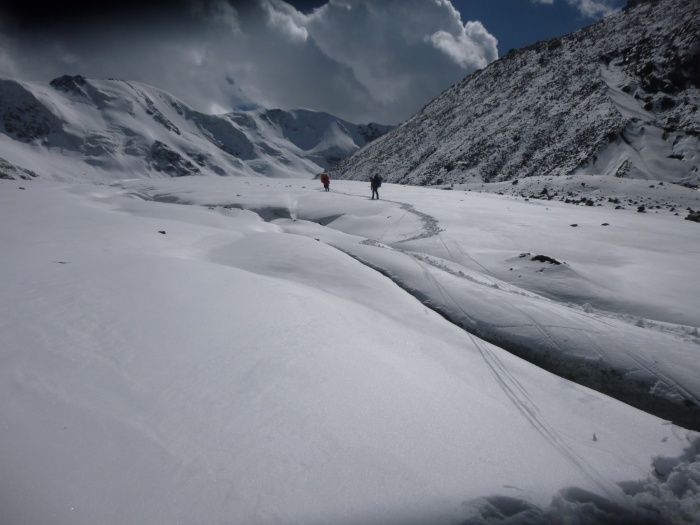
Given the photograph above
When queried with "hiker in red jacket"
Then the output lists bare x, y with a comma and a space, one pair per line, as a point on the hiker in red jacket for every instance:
325, 180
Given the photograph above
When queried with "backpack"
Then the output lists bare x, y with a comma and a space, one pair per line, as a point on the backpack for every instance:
378, 181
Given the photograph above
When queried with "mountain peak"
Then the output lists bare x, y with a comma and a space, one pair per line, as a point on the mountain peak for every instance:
69, 84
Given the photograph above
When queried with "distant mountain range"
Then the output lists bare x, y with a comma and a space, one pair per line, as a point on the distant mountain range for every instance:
617, 98
81, 129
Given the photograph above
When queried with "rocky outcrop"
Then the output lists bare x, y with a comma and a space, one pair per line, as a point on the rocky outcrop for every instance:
11, 172
163, 159
69, 84
22, 116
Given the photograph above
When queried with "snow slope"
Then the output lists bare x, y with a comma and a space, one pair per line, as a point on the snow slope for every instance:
621, 272
168, 363
618, 98
86, 129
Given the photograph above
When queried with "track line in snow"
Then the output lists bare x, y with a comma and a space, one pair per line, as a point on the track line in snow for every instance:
463, 254
542, 329
654, 371
520, 398
536, 419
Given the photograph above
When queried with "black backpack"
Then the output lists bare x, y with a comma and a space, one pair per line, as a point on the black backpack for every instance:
378, 181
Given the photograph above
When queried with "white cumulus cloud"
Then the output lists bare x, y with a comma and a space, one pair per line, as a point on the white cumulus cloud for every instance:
473, 46
285, 19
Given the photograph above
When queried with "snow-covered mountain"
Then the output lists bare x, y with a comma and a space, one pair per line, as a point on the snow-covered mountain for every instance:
112, 129
618, 98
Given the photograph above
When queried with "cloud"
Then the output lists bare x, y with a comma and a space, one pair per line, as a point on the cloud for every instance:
593, 8
361, 60
285, 20
219, 13
472, 47
8, 65
589, 8
401, 51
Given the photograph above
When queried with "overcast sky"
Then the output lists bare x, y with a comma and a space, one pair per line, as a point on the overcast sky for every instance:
361, 60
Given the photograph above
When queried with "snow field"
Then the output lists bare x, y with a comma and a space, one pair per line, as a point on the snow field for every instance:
238, 370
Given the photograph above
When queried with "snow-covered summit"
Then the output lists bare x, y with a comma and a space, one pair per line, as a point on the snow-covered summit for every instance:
618, 98
115, 129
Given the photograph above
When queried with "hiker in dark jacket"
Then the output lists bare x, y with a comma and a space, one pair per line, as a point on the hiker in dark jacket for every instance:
325, 180
375, 182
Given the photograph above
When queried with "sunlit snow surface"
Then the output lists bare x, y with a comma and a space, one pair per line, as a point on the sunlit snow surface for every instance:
244, 350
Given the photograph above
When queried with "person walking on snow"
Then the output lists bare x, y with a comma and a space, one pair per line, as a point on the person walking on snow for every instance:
375, 182
325, 180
